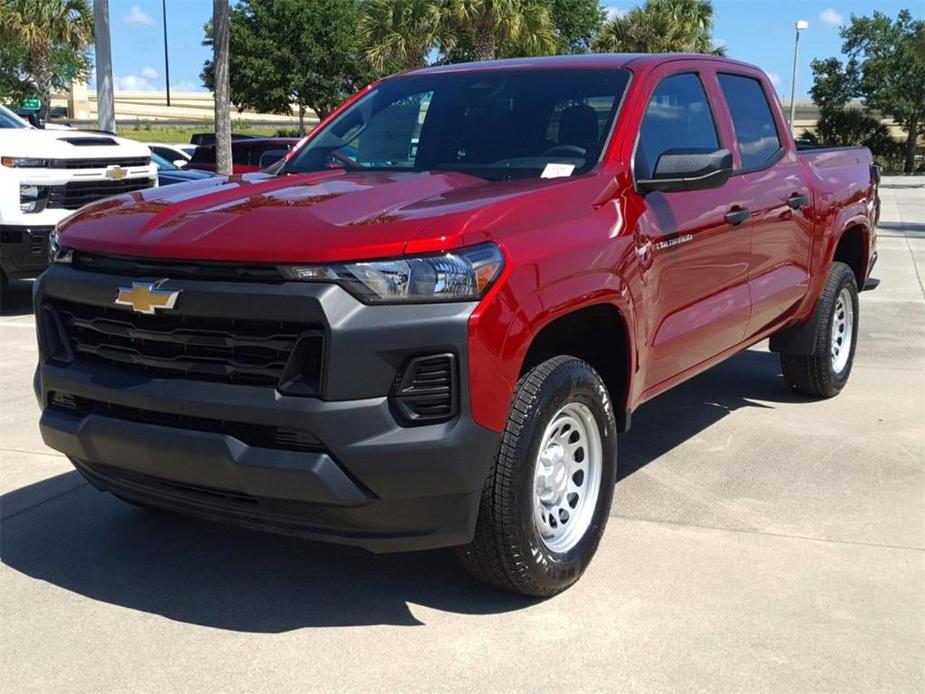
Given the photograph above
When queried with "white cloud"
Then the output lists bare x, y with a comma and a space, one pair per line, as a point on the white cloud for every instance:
831, 18
133, 83
137, 18
775, 78
149, 73
614, 12
720, 43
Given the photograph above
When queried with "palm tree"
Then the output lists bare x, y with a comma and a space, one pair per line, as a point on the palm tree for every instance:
41, 26
400, 33
661, 26
501, 28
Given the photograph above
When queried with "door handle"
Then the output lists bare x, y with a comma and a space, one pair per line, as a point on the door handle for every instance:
737, 215
797, 201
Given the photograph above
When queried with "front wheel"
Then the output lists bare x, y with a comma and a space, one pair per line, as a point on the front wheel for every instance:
825, 372
547, 499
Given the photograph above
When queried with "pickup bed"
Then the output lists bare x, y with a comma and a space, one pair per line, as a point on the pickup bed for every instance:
427, 326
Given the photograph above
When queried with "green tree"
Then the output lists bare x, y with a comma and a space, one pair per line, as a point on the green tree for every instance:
576, 22
488, 29
660, 26
285, 52
398, 34
43, 46
887, 63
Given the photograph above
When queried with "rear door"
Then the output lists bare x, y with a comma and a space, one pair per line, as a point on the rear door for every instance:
779, 199
694, 259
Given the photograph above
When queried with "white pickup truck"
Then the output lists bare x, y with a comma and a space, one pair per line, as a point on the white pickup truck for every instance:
47, 174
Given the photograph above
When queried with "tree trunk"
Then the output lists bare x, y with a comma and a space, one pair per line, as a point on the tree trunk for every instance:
301, 120
222, 89
41, 70
485, 39
105, 99
912, 139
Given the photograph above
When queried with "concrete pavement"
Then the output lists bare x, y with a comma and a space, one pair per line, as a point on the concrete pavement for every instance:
759, 542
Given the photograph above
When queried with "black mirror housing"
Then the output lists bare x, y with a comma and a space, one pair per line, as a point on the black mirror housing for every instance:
688, 169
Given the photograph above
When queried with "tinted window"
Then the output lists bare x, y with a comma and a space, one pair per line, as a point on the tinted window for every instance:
678, 117
204, 155
241, 154
751, 116
496, 124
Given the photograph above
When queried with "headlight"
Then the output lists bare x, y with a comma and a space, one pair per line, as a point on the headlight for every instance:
56, 252
463, 275
32, 198
23, 162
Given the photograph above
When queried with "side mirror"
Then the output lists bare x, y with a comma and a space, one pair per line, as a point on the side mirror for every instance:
688, 169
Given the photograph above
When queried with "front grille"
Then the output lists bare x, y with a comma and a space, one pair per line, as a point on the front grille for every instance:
263, 436
37, 243
425, 390
75, 194
99, 163
252, 352
175, 269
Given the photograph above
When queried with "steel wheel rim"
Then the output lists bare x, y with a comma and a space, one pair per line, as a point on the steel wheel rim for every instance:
842, 330
567, 477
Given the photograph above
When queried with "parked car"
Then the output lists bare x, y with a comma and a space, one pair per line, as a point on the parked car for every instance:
246, 155
178, 155
47, 174
209, 138
168, 173
427, 327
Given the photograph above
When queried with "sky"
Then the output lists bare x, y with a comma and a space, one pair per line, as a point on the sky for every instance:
756, 31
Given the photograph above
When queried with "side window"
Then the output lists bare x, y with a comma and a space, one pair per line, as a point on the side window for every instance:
392, 138
678, 117
752, 118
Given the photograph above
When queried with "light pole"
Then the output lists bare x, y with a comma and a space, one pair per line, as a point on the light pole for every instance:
801, 25
166, 59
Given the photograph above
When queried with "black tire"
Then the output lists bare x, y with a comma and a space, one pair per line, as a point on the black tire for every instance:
815, 374
507, 550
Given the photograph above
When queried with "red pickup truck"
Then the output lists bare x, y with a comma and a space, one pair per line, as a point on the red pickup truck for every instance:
427, 326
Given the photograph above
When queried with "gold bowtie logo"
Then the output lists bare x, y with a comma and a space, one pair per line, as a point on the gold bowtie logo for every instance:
145, 297
115, 172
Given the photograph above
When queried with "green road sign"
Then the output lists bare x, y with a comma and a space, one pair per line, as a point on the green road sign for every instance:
32, 104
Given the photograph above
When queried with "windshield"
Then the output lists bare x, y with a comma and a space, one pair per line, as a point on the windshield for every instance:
8, 119
497, 124
162, 164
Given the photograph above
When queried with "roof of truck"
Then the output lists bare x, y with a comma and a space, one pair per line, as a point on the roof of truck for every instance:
590, 60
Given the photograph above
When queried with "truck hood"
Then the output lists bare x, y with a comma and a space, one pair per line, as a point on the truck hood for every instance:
67, 144
319, 217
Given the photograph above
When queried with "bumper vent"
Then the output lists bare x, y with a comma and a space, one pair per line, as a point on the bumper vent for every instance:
262, 436
425, 391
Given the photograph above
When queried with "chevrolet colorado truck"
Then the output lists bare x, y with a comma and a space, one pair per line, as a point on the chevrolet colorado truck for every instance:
428, 325
47, 174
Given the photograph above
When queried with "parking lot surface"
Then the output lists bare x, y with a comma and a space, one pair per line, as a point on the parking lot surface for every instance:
759, 541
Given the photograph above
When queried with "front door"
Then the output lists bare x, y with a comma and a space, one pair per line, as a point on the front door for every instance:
693, 245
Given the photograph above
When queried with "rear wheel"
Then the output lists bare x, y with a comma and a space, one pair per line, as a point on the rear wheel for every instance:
547, 499
825, 372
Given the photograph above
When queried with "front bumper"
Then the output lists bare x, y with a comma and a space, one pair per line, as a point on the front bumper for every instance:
368, 478
24, 250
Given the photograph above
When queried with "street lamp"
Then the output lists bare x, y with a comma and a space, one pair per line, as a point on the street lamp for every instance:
801, 25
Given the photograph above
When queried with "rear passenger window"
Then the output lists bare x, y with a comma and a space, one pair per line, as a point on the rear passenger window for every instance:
751, 116
678, 117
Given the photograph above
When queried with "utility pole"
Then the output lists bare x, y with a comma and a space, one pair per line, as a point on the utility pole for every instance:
801, 25
166, 59
222, 90
105, 105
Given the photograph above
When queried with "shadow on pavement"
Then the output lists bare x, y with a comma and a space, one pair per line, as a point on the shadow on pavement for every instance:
17, 299
228, 578
906, 227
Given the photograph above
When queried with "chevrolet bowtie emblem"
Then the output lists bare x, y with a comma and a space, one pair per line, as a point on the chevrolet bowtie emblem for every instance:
115, 172
145, 297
